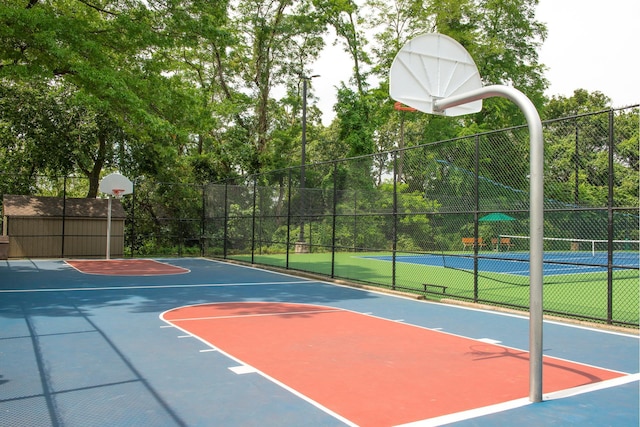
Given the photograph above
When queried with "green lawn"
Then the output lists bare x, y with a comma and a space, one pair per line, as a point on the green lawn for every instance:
581, 295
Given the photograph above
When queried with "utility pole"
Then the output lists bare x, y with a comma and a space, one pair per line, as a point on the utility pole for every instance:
301, 246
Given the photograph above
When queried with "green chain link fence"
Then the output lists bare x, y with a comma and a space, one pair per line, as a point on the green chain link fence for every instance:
451, 219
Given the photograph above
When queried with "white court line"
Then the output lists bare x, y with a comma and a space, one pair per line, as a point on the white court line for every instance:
117, 288
614, 382
243, 369
489, 340
518, 403
467, 415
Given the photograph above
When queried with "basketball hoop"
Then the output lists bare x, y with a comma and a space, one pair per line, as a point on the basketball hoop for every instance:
399, 106
115, 185
435, 74
117, 192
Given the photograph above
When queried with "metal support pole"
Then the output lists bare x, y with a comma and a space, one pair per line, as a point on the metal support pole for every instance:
476, 217
203, 215
64, 215
333, 222
301, 246
395, 221
610, 219
290, 181
536, 217
253, 219
109, 229
225, 233
303, 157
133, 218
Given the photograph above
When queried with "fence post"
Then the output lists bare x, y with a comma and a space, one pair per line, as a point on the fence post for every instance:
355, 220
288, 218
476, 246
576, 154
333, 225
133, 217
253, 220
203, 215
225, 234
610, 230
394, 244
64, 214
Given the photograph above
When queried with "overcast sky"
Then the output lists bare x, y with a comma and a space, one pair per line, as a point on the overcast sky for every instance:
591, 44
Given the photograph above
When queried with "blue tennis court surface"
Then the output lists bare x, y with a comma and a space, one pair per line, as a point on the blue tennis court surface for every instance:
517, 263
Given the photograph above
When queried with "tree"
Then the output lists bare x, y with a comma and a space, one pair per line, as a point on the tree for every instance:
273, 43
102, 49
50, 129
580, 102
578, 150
114, 53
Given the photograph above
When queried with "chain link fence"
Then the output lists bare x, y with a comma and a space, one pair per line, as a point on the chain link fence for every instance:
446, 220
451, 219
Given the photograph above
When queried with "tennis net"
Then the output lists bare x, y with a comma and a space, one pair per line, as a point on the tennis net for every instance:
625, 252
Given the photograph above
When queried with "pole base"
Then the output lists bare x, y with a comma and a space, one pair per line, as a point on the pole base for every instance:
302, 247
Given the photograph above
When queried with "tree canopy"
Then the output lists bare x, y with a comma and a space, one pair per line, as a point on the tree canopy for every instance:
199, 91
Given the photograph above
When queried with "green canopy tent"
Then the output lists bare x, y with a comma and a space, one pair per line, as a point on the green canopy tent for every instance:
498, 217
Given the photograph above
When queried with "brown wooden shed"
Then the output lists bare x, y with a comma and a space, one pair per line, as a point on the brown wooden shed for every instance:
52, 227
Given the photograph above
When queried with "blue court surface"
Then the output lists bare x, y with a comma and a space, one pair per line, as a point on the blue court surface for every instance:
517, 263
92, 350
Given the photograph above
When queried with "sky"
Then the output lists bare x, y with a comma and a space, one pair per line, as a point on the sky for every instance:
591, 44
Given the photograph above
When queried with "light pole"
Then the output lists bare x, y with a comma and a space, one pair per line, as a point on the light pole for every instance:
301, 246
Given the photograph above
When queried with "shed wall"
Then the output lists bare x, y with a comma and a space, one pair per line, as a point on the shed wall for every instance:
43, 237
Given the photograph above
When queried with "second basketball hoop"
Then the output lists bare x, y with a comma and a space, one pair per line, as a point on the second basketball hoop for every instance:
116, 185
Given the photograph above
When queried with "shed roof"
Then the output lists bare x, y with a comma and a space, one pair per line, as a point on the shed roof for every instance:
37, 206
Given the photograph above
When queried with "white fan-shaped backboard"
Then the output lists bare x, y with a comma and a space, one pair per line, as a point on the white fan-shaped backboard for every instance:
116, 181
432, 67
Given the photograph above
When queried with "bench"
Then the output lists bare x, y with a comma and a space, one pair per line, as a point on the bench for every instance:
471, 242
443, 289
505, 242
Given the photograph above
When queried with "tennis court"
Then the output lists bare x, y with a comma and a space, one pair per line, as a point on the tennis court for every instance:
196, 342
554, 263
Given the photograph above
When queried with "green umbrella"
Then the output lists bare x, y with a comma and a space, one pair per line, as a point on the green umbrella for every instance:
497, 216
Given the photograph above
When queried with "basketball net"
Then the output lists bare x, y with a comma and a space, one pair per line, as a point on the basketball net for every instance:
117, 192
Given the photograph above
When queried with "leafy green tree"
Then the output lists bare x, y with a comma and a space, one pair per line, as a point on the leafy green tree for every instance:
102, 48
578, 150
114, 53
580, 102
49, 130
